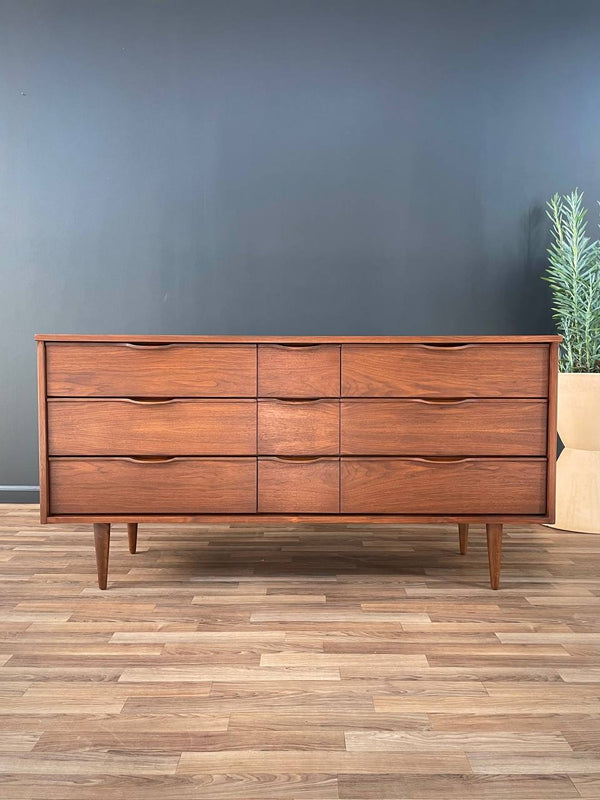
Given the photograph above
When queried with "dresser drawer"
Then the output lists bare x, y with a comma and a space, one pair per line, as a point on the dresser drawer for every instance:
171, 486
158, 427
420, 486
287, 371
444, 428
425, 370
298, 427
298, 487
137, 370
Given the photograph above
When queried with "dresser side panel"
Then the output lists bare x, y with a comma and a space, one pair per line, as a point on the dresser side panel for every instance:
552, 431
42, 432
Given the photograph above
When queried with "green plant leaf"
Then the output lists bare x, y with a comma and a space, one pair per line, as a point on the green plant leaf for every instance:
573, 274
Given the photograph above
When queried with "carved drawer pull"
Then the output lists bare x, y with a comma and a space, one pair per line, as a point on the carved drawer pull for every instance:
299, 459
151, 459
294, 401
441, 459
442, 402
157, 346
151, 401
446, 346
300, 346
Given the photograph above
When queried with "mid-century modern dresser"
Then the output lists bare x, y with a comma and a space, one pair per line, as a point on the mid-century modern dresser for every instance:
268, 429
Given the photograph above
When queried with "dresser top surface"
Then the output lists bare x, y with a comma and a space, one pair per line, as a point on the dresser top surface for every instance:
220, 339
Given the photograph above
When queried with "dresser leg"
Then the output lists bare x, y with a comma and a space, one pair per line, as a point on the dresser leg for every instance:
494, 546
463, 537
102, 544
132, 536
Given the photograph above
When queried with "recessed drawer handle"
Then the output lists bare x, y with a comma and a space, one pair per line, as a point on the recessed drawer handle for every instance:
304, 401
150, 401
446, 346
151, 459
297, 459
158, 346
440, 460
299, 346
442, 402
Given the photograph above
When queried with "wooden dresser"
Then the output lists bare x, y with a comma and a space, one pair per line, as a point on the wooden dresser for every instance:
291, 428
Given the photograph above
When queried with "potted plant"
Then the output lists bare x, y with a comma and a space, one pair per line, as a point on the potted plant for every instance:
574, 277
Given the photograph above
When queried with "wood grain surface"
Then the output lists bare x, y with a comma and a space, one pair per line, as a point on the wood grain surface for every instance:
42, 431
299, 366
151, 428
132, 486
464, 486
298, 428
552, 435
298, 486
443, 428
445, 371
154, 338
245, 663
288, 371
170, 369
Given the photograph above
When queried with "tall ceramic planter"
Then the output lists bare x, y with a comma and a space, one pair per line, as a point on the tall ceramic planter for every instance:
578, 467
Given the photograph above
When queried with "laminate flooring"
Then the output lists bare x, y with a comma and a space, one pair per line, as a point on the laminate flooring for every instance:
293, 663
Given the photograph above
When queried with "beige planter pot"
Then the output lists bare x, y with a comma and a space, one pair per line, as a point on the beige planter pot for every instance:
578, 466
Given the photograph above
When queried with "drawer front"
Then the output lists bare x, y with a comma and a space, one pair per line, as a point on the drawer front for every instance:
174, 486
444, 428
298, 427
418, 370
298, 487
132, 370
312, 371
418, 486
154, 428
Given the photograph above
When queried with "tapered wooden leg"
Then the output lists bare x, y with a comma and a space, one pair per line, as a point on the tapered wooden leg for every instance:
132, 536
494, 546
463, 537
102, 544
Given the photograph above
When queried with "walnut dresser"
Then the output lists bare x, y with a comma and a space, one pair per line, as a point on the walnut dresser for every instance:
308, 429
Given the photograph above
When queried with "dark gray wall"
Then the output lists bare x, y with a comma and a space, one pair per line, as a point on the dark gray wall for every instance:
295, 166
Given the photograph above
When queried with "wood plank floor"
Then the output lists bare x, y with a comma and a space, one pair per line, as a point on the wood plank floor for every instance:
286, 663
